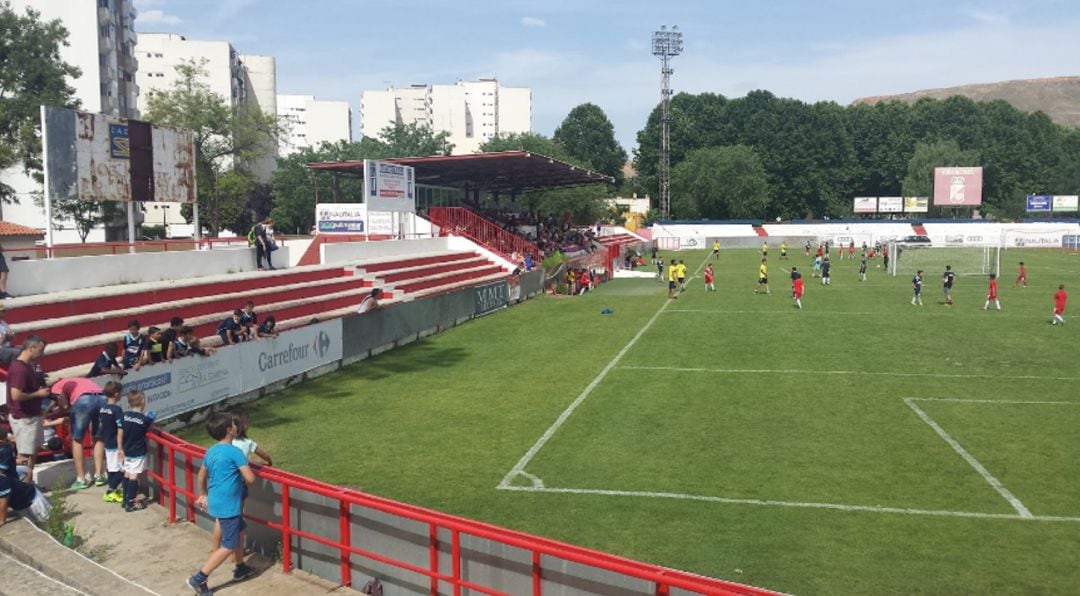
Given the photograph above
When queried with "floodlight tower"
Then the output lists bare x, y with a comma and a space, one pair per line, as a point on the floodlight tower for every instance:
666, 45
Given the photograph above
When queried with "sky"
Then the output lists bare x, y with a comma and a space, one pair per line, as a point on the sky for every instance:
575, 51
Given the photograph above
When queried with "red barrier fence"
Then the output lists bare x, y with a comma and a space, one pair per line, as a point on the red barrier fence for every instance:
461, 221
164, 473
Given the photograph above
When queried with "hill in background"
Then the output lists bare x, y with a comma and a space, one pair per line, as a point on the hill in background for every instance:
1057, 97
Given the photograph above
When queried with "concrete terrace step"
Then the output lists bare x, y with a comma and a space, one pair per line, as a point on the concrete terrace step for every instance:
458, 285
115, 321
444, 279
91, 300
83, 351
396, 275
393, 263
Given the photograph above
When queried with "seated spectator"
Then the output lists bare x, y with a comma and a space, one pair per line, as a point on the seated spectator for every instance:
268, 328
187, 344
170, 335
250, 320
156, 348
230, 330
106, 363
528, 262
135, 344
370, 302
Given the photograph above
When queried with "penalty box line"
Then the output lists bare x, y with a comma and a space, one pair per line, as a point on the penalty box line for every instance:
792, 504
795, 371
519, 467
990, 479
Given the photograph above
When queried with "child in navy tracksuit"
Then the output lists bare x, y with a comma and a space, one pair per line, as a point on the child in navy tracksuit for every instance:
132, 439
110, 416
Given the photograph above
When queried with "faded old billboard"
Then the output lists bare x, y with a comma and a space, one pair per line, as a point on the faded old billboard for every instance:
958, 187
94, 157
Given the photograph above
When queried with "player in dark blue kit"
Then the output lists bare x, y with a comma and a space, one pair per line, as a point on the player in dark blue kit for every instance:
916, 286
135, 346
110, 416
231, 330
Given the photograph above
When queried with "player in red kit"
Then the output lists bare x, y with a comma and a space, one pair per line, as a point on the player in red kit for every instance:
1021, 278
709, 276
797, 288
1060, 298
992, 295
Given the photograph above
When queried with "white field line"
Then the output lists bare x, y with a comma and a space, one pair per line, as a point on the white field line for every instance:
998, 401
970, 459
793, 371
52, 579
793, 504
519, 467
843, 313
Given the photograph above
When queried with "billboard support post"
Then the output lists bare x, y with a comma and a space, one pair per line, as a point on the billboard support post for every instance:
48, 196
131, 226
195, 218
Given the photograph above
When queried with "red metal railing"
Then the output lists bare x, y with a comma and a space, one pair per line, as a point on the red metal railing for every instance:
461, 221
168, 446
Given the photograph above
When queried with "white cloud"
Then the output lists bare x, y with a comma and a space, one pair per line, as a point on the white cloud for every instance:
157, 17
987, 18
533, 22
144, 4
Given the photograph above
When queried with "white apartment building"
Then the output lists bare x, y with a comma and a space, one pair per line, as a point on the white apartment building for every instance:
236, 77
101, 43
310, 122
472, 112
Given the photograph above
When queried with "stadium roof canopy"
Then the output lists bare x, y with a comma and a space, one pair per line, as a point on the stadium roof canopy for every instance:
506, 171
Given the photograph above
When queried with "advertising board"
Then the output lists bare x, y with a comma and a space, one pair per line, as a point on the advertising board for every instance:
1039, 203
890, 204
916, 204
865, 205
293, 352
1066, 203
389, 186
958, 187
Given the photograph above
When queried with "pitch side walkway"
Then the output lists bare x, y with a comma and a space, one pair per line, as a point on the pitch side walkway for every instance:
139, 554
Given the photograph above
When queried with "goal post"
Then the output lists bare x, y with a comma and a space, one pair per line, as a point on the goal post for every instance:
907, 259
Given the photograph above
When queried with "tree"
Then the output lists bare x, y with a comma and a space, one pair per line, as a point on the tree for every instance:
720, 183
86, 215
414, 140
225, 135
31, 74
588, 135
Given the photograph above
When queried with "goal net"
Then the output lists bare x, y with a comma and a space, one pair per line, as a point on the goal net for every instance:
906, 259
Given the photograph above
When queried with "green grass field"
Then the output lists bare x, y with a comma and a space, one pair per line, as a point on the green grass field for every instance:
860, 445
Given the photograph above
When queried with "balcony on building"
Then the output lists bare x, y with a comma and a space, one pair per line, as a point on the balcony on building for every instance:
106, 44
104, 15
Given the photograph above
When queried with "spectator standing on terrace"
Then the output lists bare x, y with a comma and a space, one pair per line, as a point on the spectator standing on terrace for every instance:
170, 335
106, 363
230, 330
370, 302
8, 352
85, 399
262, 243
3, 275
131, 437
135, 345
220, 487
25, 390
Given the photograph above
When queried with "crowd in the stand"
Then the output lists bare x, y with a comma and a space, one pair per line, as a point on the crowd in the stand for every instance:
40, 419
550, 233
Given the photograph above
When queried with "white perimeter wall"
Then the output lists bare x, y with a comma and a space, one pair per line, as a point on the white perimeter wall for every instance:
56, 275
341, 252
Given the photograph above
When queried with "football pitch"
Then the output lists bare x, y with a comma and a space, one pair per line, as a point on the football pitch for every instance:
859, 445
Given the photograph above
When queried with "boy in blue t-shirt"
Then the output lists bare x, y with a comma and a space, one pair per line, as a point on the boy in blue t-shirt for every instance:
131, 436
110, 416
231, 330
135, 346
221, 482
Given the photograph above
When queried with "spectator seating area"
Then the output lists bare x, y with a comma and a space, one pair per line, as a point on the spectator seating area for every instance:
77, 323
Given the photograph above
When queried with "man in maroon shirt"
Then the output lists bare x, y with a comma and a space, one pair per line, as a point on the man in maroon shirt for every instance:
25, 390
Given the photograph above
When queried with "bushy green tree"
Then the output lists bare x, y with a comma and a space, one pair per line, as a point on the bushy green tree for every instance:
31, 74
720, 183
589, 137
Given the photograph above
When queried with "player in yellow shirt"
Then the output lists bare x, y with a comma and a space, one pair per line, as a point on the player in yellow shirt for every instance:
765, 249
763, 277
783, 250
716, 249
672, 278
680, 270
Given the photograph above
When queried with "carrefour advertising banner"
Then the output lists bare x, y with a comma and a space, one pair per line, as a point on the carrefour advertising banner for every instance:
1039, 203
389, 186
194, 382
958, 187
